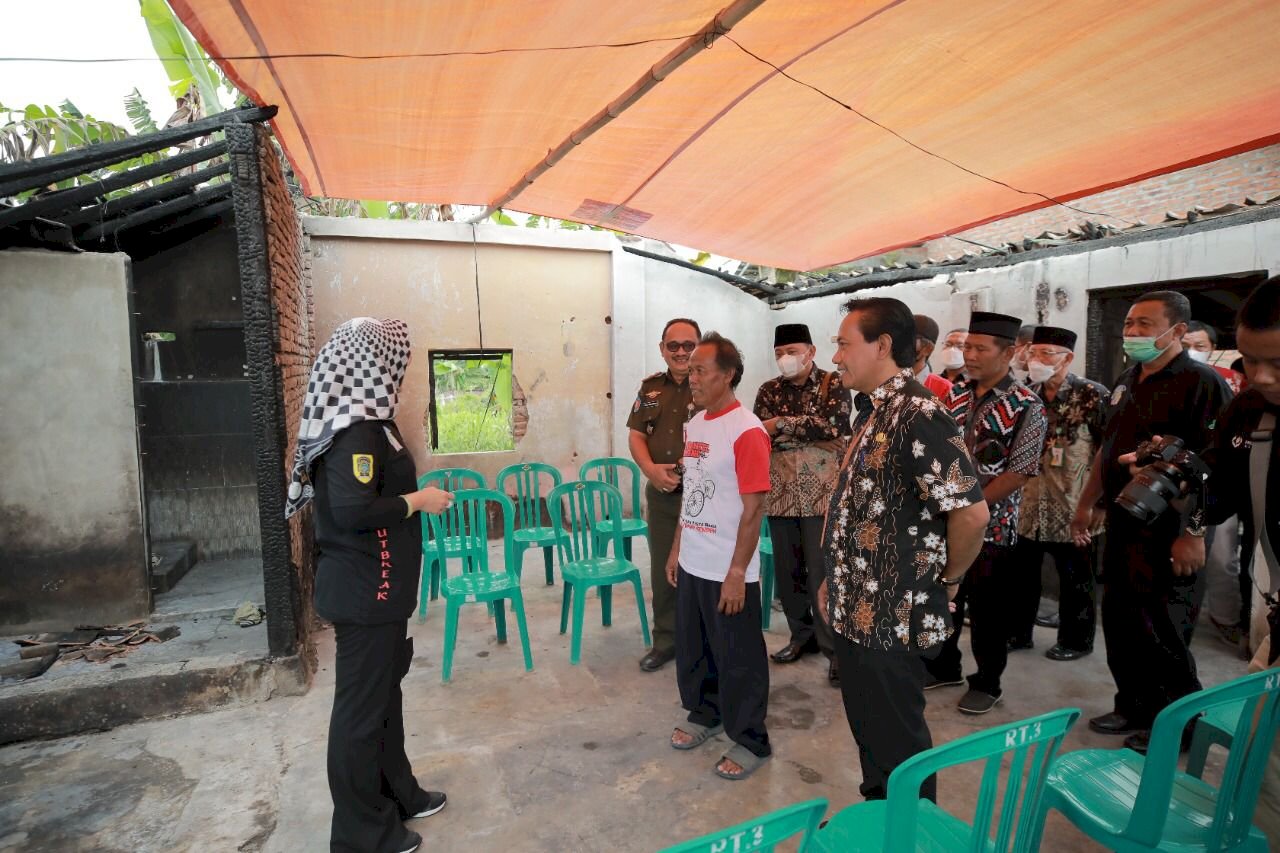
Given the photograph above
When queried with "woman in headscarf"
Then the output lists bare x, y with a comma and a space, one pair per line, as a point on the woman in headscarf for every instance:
352, 461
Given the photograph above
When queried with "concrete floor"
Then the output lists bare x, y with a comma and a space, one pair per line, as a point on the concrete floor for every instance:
562, 758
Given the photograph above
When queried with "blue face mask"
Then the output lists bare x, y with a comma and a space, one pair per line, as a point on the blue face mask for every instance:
1144, 349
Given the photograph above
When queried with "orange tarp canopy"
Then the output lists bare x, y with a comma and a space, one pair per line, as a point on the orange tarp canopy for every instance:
810, 133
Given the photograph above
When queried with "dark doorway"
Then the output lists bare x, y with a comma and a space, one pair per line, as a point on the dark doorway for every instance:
1214, 301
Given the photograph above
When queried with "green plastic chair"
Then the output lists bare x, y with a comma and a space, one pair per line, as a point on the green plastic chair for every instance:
608, 469
1128, 802
583, 560
478, 582
905, 823
761, 834
530, 532
1217, 726
456, 541
766, 574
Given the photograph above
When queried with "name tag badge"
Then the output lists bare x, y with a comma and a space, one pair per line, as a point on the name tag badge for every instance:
1056, 457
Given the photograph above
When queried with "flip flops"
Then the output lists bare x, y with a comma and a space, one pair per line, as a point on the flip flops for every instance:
744, 758
699, 734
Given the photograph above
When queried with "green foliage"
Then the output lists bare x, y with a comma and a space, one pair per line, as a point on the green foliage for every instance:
501, 218
473, 405
139, 112
701, 259
186, 63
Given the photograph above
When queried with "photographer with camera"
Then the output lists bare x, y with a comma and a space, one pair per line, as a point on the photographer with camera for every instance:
1246, 482
1148, 571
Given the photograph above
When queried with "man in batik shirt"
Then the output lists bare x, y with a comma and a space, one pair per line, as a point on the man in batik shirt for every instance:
1003, 424
1076, 411
905, 520
806, 411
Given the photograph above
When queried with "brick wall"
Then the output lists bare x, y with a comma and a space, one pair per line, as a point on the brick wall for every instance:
1229, 180
294, 345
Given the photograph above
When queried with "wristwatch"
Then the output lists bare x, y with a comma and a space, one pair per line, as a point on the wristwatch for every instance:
950, 582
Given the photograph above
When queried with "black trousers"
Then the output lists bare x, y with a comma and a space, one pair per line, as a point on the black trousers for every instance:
370, 780
663, 516
1077, 604
1146, 617
884, 701
799, 569
722, 667
988, 593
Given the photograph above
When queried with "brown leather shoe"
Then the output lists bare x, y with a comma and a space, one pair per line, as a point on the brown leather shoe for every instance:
656, 659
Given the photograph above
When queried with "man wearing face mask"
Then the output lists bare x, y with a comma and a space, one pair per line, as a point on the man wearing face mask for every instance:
1076, 411
1200, 341
663, 406
1021, 344
952, 354
1149, 600
806, 411
926, 339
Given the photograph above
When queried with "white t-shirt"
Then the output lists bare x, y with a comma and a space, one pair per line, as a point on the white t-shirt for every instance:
726, 456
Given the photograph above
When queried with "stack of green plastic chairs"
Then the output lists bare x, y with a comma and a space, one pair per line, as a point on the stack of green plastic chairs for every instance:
455, 542
476, 582
526, 479
583, 553
905, 823
1130, 802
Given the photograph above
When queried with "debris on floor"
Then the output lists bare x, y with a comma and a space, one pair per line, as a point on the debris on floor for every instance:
91, 643
248, 614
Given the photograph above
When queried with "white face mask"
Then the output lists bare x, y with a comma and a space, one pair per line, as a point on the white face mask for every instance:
790, 365
1019, 373
1038, 372
952, 358
1199, 355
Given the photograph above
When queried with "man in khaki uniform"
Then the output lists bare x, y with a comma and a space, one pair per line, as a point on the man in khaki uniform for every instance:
663, 406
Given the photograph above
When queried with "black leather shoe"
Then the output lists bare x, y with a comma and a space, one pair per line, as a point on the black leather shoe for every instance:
655, 660
792, 652
1139, 741
1021, 645
1060, 652
833, 673
1114, 724
1050, 621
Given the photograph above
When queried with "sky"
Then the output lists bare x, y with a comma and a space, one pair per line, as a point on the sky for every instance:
80, 29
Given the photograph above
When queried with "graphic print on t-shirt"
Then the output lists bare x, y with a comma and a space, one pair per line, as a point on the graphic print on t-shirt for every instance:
698, 487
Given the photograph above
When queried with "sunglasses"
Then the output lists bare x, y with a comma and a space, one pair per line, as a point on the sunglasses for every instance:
677, 346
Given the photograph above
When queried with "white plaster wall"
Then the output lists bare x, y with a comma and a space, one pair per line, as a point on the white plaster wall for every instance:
647, 293
72, 541
1012, 289
546, 295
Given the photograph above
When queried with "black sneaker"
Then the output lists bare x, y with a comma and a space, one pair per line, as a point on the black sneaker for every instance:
931, 681
435, 801
978, 702
410, 843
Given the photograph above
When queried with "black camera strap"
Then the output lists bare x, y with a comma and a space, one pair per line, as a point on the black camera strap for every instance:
1266, 580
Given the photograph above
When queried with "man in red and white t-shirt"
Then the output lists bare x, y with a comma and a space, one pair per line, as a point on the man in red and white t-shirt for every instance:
722, 668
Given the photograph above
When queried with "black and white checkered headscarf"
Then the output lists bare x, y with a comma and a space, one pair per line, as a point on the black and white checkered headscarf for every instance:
356, 377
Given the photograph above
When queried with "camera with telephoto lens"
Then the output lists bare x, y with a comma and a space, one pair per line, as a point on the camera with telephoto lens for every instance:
1167, 466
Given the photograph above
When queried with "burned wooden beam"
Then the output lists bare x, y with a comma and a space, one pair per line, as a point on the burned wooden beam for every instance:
155, 213
169, 189
75, 197
18, 177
